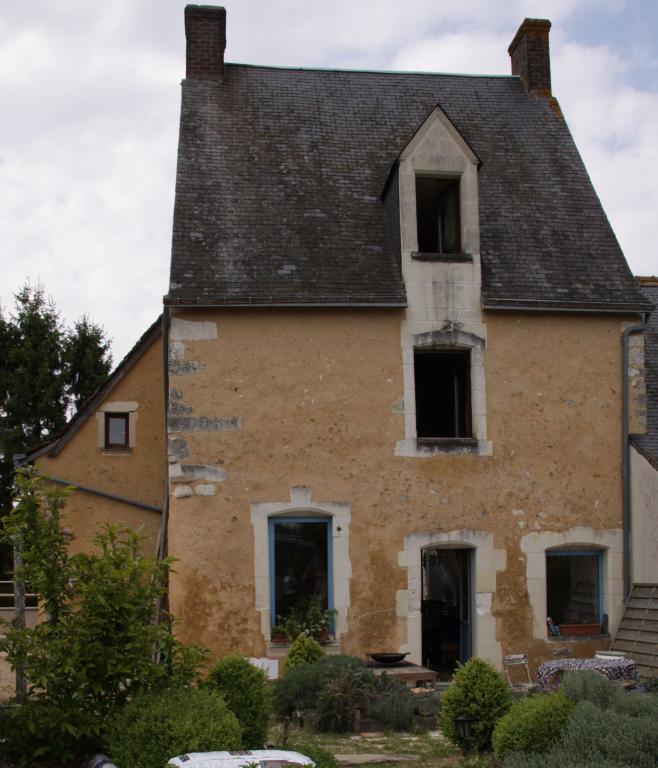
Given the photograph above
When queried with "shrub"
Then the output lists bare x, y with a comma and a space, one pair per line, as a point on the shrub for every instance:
158, 725
621, 736
391, 703
245, 690
303, 650
298, 689
532, 724
341, 697
584, 685
479, 692
428, 703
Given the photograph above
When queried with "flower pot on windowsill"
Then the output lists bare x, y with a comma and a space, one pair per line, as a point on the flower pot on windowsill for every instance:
567, 630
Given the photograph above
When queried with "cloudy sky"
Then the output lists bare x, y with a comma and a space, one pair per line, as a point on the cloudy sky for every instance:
90, 99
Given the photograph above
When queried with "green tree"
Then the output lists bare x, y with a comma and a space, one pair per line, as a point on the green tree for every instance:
98, 648
46, 372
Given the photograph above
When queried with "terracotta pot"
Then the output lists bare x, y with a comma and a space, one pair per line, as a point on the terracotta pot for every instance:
580, 629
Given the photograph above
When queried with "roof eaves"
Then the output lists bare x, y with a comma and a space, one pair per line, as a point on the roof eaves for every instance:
548, 305
54, 447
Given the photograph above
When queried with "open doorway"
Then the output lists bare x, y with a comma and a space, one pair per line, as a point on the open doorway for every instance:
447, 612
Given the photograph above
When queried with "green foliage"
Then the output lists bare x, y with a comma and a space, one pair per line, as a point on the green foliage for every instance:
391, 703
532, 724
310, 619
479, 692
585, 685
620, 734
245, 690
303, 650
299, 688
158, 725
96, 648
341, 697
320, 756
45, 369
428, 703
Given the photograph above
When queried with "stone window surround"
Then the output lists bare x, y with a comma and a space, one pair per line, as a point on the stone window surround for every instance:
301, 503
487, 562
118, 407
446, 339
535, 545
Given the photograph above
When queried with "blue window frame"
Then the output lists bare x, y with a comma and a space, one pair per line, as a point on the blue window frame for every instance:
574, 586
301, 564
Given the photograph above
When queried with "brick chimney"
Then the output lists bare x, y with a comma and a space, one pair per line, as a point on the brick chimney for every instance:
531, 59
205, 33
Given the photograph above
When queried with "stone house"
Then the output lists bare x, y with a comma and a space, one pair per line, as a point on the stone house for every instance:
393, 373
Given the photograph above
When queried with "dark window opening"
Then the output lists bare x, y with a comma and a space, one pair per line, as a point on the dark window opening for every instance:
573, 588
437, 215
300, 567
443, 386
116, 430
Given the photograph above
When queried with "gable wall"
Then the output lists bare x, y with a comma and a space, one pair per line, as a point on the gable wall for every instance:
138, 475
273, 400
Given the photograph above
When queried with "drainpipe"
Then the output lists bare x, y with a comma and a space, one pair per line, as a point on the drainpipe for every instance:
625, 454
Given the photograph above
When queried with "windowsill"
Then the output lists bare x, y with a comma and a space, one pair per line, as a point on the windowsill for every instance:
427, 446
446, 258
566, 639
116, 451
280, 650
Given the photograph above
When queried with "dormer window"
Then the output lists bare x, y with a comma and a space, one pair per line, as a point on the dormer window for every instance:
437, 215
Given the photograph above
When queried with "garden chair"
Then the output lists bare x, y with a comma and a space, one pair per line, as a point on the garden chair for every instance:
516, 666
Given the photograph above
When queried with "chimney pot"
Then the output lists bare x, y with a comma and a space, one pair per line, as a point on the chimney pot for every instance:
205, 34
531, 59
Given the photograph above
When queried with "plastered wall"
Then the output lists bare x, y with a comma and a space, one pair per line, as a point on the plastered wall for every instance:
138, 474
273, 400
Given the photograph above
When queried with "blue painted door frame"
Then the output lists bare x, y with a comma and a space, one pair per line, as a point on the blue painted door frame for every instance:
326, 521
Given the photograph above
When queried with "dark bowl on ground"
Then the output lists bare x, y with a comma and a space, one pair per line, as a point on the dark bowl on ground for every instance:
387, 658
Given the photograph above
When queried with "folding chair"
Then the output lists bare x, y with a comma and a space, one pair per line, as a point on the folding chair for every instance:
519, 662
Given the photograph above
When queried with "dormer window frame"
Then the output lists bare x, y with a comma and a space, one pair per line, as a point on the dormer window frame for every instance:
425, 216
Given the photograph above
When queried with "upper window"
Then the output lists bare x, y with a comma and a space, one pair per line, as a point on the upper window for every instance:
443, 401
573, 591
437, 215
117, 430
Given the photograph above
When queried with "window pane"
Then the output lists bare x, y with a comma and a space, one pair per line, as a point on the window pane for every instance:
117, 430
442, 394
437, 215
573, 588
300, 565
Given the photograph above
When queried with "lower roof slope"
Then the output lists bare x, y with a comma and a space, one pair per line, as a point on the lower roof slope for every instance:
281, 172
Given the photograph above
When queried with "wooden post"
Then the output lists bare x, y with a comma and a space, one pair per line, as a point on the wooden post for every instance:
19, 614
286, 730
357, 721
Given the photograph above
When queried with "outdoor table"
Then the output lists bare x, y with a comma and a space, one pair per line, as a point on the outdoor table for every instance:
550, 672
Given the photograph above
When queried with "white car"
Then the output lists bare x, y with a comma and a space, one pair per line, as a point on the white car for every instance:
244, 758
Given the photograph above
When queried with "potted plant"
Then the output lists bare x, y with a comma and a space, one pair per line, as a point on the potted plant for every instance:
312, 620
278, 633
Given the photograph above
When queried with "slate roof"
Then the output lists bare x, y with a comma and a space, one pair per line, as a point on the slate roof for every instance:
648, 444
280, 181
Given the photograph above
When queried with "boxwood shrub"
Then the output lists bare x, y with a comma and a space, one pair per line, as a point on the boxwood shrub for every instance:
303, 650
479, 692
532, 724
156, 726
245, 690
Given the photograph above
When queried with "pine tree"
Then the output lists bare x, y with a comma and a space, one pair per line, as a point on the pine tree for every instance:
46, 373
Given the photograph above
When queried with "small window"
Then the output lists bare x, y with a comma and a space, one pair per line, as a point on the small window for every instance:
116, 430
437, 215
443, 402
573, 591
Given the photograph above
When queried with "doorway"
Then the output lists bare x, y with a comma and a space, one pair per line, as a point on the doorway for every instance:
447, 608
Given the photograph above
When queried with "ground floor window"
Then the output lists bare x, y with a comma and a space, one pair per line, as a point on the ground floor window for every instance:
300, 569
574, 588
